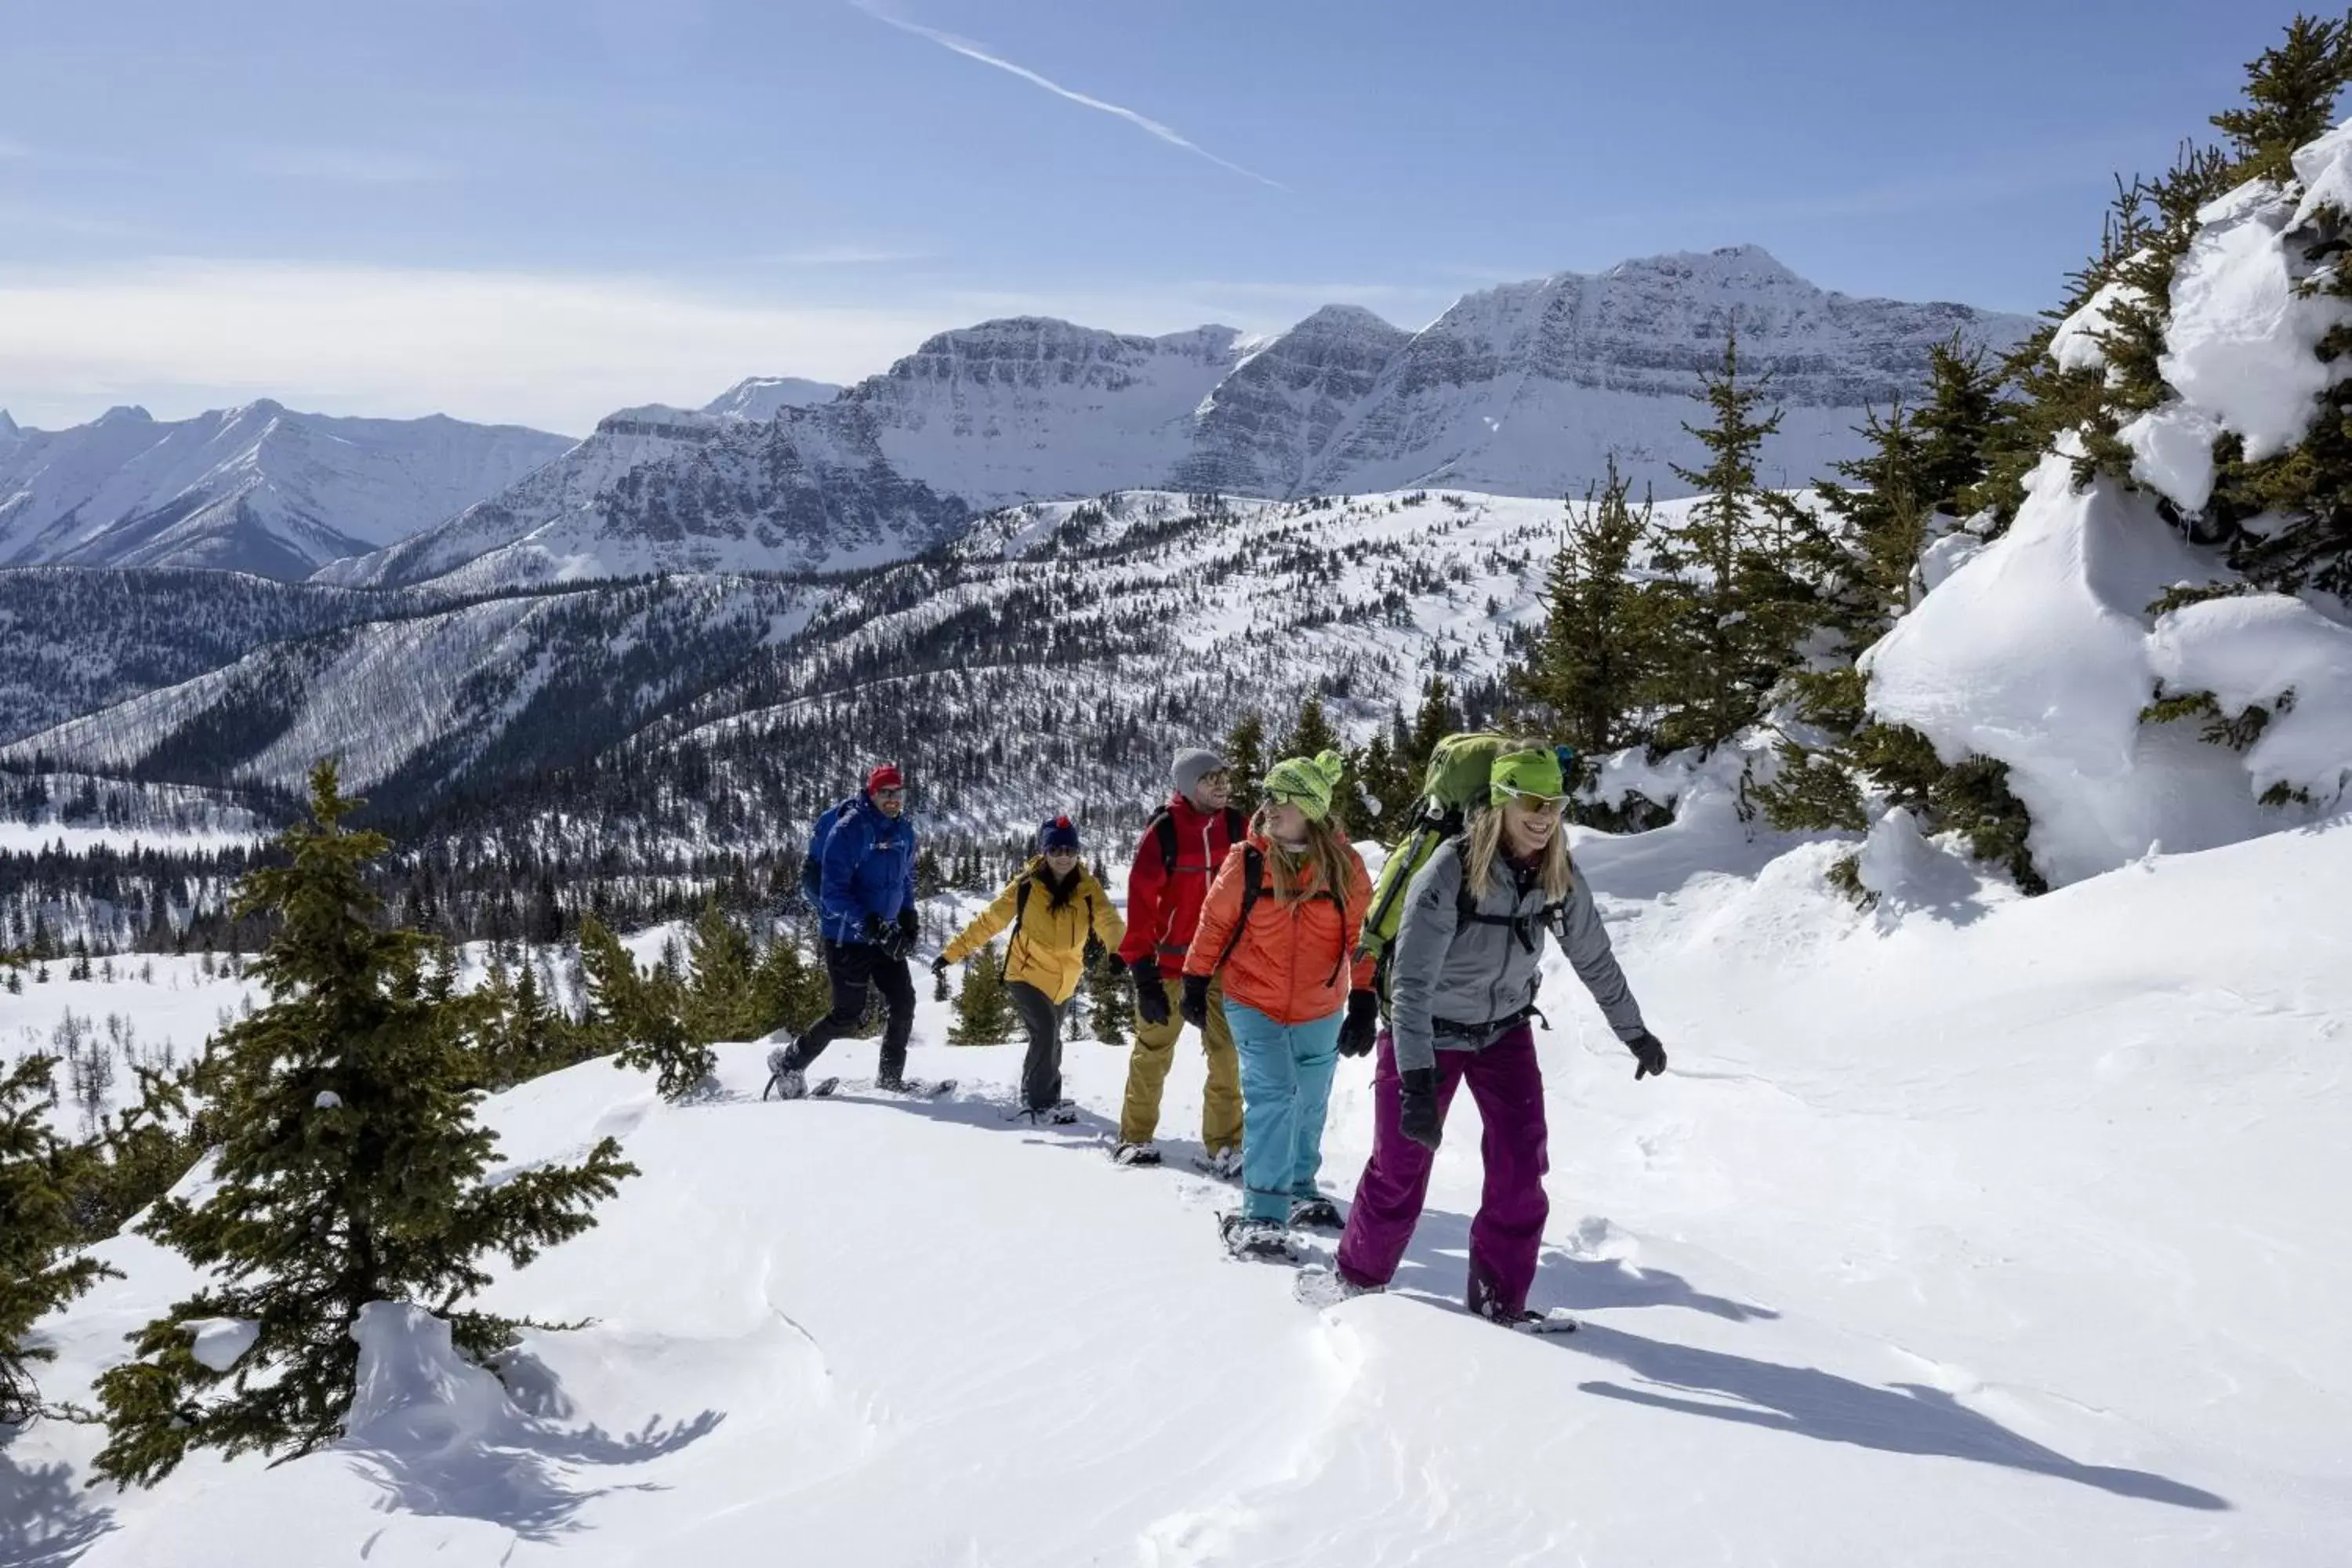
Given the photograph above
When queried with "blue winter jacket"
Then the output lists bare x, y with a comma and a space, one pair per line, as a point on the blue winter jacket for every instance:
869, 870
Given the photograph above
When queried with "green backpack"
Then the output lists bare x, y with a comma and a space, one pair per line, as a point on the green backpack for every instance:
1455, 785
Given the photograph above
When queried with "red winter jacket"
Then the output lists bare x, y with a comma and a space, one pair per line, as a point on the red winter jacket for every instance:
1164, 908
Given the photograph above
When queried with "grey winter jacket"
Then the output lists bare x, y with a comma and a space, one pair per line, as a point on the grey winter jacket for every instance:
1475, 973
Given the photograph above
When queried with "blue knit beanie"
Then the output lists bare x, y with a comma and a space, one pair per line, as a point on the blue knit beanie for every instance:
1061, 833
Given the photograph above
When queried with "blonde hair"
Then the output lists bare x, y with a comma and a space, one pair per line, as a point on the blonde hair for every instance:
1327, 850
1482, 845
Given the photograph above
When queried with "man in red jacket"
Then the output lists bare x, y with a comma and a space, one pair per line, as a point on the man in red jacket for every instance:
1180, 851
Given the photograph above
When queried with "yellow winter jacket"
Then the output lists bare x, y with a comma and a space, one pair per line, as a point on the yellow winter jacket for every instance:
1049, 948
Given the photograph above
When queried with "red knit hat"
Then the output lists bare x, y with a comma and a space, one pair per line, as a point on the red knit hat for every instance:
884, 777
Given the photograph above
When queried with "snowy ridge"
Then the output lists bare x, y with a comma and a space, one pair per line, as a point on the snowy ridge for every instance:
1527, 390
760, 398
1878, 1269
659, 490
258, 489
420, 703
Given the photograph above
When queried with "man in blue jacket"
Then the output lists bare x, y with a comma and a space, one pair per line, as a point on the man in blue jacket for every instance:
869, 908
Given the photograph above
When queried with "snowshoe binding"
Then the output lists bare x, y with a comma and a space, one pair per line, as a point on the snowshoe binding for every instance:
1252, 1240
1061, 1114
1141, 1156
914, 1088
784, 1080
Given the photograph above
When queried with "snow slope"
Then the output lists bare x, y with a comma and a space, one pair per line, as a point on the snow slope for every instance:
759, 397
259, 488
2006, 1232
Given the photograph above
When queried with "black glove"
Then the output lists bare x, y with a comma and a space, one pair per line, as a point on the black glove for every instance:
1363, 1021
877, 933
1196, 1001
1649, 1054
1151, 991
940, 965
1417, 1116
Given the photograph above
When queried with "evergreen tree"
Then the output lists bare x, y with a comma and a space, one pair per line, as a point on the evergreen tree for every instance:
720, 1000
2302, 497
789, 992
984, 1014
1729, 617
1598, 646
38, 1272
1435, 718
1312, 735
2291, 92
635, 1016
1107, 1001
1382, 779
350, 1169
1245, 756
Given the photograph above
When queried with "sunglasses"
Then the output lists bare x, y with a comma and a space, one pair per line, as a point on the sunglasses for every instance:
889, 794
1537, 801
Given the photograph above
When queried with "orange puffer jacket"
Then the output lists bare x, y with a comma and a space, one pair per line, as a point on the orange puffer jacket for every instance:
1295, 961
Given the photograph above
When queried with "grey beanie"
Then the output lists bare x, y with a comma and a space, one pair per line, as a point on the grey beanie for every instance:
1192, 765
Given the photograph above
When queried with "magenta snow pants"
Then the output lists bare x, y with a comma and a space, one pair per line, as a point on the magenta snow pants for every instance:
1506, 1236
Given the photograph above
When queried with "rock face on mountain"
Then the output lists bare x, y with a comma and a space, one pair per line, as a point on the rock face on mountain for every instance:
1264, 427
662, 490
259, 488
1526, 390
1011, 410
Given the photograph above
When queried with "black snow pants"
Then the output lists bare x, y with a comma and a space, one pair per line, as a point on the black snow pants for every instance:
853, 967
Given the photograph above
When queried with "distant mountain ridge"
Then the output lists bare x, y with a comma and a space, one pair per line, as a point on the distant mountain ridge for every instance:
259, 488
1528, 389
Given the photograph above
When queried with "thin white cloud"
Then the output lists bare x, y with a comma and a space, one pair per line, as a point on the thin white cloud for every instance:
1143, 122
555, 351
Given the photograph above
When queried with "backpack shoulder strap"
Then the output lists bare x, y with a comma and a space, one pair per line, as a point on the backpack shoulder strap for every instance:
1253, 874
1236, 826
1163, 829
1020, 906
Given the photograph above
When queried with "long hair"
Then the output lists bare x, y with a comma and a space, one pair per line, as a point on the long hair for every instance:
1482, 845
1328, 851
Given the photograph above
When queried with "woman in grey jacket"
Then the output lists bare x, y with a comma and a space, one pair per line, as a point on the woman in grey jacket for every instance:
1462, 987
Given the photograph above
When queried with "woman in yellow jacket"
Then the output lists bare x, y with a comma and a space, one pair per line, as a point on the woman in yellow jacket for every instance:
1052, 906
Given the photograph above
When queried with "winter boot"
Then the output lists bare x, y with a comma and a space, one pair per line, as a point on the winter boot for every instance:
1261, 1240
1319, 1287
1318, 1213
1134, 1155
785, 1081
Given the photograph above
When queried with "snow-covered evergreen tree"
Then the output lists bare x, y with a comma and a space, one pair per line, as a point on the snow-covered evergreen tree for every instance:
350, 1169
40, 1272
984, 1014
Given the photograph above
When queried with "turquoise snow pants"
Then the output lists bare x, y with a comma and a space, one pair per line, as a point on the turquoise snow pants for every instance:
1286, 1089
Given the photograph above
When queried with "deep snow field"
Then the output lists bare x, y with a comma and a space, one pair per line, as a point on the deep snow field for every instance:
1988, 1231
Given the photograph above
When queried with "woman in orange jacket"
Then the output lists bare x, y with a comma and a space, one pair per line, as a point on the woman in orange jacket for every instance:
1280, 924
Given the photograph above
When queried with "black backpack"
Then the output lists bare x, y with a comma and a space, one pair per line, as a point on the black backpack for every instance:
1162, 827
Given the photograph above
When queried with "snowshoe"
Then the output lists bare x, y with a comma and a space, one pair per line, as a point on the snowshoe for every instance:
914, 1088
1319, 1287
784, 1081
1317, 1214
1225, 1165
824, 1091
1139, 1155
1061, 1115
1257, 1240
1526, 1321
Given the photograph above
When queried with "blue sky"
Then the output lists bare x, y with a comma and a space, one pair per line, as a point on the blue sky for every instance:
537, 211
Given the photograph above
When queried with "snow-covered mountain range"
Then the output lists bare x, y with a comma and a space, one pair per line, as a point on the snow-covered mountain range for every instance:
1526, 389
259, 488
